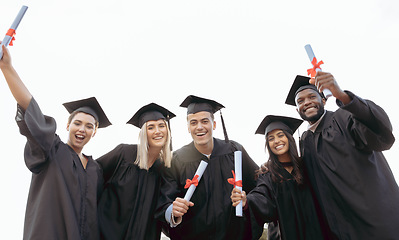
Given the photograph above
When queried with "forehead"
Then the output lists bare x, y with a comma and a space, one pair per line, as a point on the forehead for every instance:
274, 132
155, 122
84, 117
306, 92
198, 116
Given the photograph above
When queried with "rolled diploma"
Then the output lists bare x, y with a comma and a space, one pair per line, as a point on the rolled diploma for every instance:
14, 25
327, 93
200, 170
238, 172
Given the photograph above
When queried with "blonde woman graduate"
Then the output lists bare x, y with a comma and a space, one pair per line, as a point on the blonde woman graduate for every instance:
66, 184
132, 175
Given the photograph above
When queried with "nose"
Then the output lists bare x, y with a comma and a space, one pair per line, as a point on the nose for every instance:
199, 125
82, 128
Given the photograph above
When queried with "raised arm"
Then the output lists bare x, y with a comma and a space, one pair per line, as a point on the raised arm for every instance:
17, 87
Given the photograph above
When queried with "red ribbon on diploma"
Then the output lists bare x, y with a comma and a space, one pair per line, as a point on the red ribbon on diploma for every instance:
11, 33
316, 65
191, 182
233, 181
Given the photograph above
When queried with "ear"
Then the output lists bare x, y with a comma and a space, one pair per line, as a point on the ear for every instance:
67, 128
94, 133
324, 101
214, 125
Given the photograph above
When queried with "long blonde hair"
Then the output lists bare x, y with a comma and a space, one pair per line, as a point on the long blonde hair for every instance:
165, 155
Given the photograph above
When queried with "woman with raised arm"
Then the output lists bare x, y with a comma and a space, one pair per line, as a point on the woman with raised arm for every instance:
66, 183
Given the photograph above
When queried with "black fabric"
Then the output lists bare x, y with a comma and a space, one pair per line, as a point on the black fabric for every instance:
127, 205
288, 203
351, 177
212, 216
62, 201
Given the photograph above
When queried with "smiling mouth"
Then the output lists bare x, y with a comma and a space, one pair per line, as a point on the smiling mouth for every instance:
79, 137
279, 147
200, 134
310, 108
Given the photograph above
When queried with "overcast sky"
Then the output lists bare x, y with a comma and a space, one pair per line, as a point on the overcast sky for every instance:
243, 54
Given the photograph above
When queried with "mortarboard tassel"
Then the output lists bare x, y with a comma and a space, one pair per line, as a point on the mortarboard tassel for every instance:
226, 138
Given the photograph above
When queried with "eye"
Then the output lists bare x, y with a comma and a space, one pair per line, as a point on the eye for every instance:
270, 139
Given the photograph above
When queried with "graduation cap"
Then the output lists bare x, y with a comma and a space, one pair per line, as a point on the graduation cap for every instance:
196, 104
89, 106
300, 83
150, 112
272, 122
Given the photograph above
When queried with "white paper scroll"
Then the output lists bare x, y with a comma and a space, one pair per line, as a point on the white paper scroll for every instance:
200, 170
327, 93
238, 172
7, 39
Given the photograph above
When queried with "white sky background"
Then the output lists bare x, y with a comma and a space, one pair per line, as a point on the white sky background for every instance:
243, 54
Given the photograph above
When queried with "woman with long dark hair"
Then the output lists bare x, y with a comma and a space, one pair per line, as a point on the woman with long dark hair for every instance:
282, 194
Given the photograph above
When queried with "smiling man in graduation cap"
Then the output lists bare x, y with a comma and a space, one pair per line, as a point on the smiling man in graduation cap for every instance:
209, 214
342, 151
65, 185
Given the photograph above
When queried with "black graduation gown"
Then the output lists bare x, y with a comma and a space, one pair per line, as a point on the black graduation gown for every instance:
127, 205
350, 175
288, 203
212, 216
62, 201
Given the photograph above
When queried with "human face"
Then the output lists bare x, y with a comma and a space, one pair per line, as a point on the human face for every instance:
81, 129
157, 133
310, 105
278, 142
201, 126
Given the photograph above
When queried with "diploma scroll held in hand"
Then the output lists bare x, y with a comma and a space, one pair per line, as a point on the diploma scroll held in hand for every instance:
191, 184
236, 181
7, 40
316, 67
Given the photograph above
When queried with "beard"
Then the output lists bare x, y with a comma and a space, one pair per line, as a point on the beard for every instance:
315, 117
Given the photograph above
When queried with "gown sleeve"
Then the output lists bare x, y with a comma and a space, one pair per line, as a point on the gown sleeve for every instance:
262, 207
110, 161
40, 133
369, 125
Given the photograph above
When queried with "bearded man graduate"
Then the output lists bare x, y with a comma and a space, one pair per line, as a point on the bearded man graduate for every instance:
209, 214
342, 151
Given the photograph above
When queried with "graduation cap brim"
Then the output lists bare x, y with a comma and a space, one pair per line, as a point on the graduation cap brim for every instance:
300, 83
150, 112
273, 122
196, 104
89, 106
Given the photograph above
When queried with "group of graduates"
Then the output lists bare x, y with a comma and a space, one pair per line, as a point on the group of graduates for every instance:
339, 187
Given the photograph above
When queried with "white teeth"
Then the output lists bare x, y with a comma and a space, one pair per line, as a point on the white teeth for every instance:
158, 138
80, 136
279, 147
200, 134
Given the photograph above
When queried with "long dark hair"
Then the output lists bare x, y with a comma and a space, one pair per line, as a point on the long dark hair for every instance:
275, 168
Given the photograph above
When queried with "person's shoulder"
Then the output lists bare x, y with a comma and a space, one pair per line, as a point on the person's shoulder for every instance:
187, 153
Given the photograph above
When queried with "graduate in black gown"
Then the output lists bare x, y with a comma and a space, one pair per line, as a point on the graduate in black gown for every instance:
342, 152
209, 214
282, 193
132, 175
66, 184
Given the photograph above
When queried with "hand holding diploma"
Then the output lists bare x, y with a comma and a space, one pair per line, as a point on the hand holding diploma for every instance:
316, 68
181, 205
236, 181
11, 32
